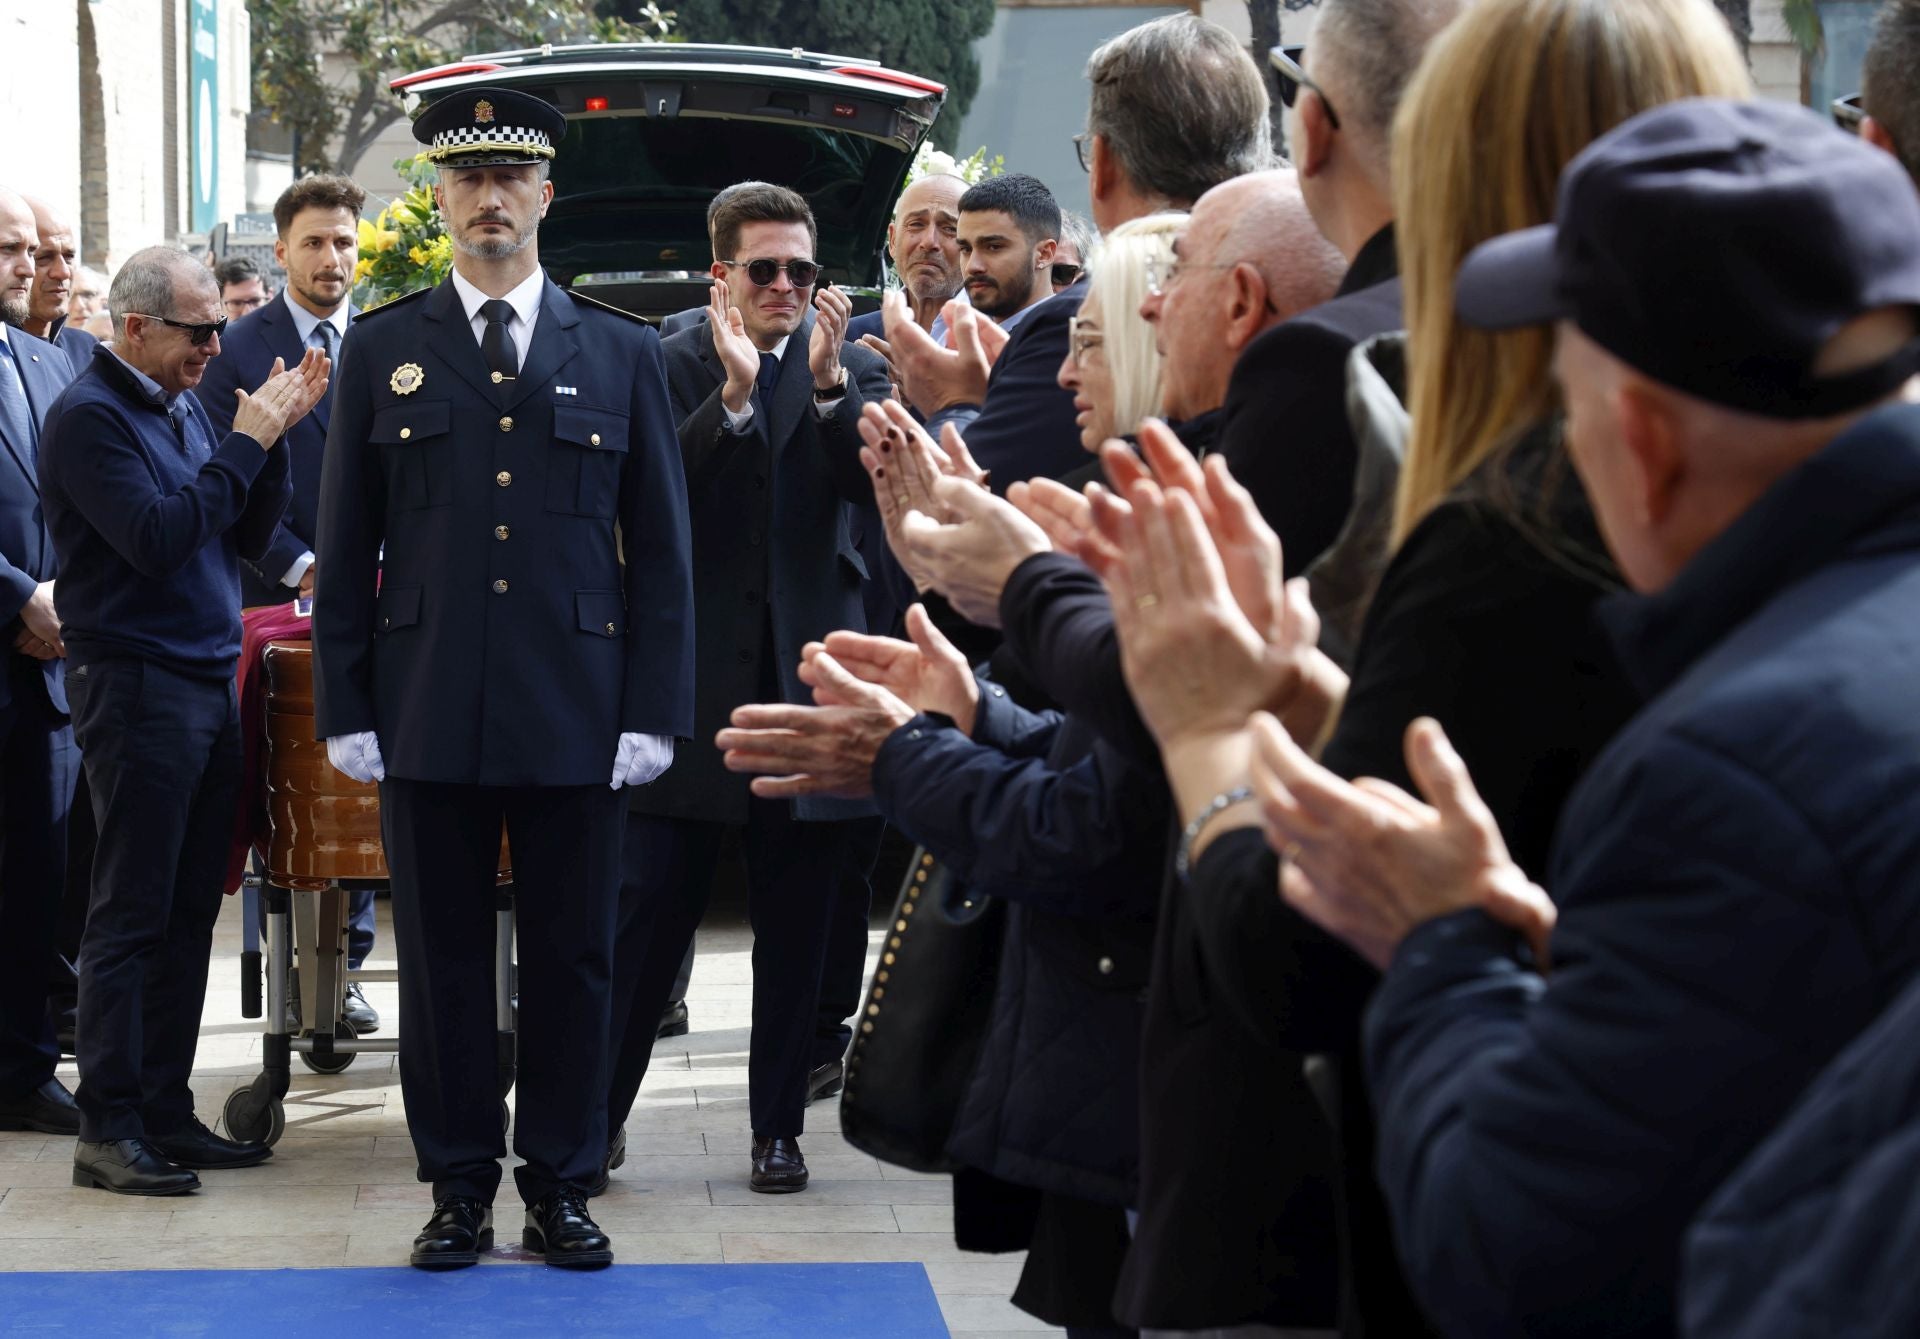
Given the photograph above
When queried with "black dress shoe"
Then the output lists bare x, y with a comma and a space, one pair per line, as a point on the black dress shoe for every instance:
194, 1145
453, 1238
129, 1167
778, 1168
361, 1016
558, 1227
673, 1023
824, 1080
616, 1154
48, 1109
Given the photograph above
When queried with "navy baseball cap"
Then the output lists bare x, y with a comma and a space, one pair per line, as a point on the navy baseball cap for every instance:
1716, 247
489, 127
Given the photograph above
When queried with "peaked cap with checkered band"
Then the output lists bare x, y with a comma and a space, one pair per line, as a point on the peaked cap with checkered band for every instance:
480, 127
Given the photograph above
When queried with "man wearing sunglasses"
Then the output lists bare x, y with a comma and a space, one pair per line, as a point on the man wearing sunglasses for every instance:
768, 395
150, 513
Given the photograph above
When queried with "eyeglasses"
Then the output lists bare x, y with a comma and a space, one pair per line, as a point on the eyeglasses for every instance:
762, 272
1080, 149
1848, 113
1162, 273
1286, 60
241, 306
1081, 336
1066, 273
198, 332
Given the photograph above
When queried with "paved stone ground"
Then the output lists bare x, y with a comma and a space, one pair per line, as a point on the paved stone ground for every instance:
340, 1189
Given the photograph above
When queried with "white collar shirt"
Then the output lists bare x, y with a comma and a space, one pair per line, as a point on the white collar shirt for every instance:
524, 299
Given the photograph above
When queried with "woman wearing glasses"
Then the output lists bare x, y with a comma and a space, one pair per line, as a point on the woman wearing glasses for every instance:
1112, 366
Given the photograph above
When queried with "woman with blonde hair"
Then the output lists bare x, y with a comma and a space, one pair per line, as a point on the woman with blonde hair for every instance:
1112, 366
1483, 616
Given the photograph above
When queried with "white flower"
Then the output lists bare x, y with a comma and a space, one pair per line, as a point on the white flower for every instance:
939, 163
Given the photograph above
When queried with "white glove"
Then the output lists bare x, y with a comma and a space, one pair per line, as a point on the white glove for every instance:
641, 758
358, 756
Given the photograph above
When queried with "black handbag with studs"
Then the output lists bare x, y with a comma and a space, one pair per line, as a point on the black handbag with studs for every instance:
920, 1030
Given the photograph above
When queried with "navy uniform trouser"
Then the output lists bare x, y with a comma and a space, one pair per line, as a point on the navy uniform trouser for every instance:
443, 849
38, 767
793, 876
162, 754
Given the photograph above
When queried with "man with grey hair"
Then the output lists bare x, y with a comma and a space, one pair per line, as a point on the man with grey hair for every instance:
1177, 107
1890, 84
1073, 252
150, 514
923, 244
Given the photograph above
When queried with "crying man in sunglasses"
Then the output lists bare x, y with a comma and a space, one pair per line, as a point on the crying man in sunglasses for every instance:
759, 300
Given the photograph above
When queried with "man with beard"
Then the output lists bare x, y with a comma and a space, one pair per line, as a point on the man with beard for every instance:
923, 244
523, 650
1009, 229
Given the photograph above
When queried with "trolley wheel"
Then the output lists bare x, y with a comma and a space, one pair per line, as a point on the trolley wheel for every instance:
250, 1120
338, 1060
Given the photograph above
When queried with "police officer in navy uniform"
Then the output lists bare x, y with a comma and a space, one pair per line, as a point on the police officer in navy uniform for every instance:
509, 444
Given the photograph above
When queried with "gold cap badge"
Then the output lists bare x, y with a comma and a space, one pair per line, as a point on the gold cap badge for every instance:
406, 378
483, 113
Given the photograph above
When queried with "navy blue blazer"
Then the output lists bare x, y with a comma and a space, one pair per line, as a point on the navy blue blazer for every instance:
772, 545
76, 343
26, 548
1024, 429
247, 352
867, 323
502, 642
1737, 901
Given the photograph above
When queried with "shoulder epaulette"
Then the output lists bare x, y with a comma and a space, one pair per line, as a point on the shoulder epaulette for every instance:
578, 296
391, 303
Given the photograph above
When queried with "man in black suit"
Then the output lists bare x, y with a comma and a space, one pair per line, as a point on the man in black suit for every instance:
38, 762
317, 220
768, 396
55, 262
522, 651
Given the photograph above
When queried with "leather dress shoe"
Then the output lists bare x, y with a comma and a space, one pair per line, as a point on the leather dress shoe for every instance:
194, 1145
128, 1167
616, 1154
361, 1016
558, 1227
778, 1168
824, 1080
673, 1022
48, 1109
453, 1238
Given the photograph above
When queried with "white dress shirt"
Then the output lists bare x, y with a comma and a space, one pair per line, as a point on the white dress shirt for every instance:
525, 301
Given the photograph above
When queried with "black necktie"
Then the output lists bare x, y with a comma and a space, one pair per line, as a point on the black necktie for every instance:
769, 376
325, 331
503, 359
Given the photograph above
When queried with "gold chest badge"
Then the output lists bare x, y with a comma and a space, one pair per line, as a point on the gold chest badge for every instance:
406, 378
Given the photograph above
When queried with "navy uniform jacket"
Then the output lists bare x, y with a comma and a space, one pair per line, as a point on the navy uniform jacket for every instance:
770, 526
26, 549
506, 644
247, 352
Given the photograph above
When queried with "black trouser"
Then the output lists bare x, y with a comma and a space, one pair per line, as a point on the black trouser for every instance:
793, 875
162, 754
38, 764
443, 850
843, 973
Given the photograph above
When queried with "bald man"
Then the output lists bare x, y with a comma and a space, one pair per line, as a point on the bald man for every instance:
923, 243
55, 264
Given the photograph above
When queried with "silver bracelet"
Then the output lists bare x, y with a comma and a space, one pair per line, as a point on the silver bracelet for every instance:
1226, 799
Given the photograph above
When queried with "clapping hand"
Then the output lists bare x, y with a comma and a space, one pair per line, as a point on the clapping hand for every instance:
1368, 862
283, 399
814, 750
732, 347
936, 378
928, 673
834, 309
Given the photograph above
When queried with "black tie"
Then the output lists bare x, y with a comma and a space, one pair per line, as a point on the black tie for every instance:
769, 377
325, 331
503, 359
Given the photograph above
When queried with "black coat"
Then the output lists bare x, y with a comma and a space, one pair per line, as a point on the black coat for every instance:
26, 549
771, 545
247, 352
508, 643
1024, 429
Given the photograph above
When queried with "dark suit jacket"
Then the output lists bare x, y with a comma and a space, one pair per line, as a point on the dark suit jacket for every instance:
247, 352
867, 323
506, 644
26, 549
76, 343
771, 543
1024, 429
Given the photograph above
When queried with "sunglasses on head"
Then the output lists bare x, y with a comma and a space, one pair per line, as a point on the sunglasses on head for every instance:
1286, 62
762, 272
198, 332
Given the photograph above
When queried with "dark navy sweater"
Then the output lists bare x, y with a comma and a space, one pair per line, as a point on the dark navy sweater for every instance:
150, 515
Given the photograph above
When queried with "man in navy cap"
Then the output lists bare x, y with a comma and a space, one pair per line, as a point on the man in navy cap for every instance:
1735, 289
526, 640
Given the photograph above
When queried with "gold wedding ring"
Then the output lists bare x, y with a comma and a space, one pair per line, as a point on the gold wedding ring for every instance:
1147, 601
1292, 853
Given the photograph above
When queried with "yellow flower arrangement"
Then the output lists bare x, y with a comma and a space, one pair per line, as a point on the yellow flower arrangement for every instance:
405, 247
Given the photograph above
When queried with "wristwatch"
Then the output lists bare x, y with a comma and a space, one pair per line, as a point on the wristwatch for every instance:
833, 392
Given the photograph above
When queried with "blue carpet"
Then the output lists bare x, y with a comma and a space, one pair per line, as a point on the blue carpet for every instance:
888, 1301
